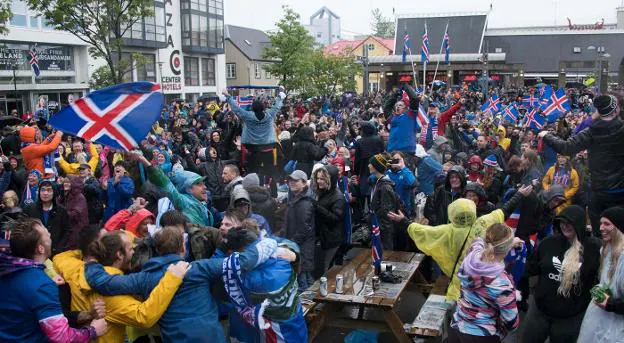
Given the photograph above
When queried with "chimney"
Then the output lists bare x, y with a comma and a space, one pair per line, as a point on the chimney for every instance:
620, 16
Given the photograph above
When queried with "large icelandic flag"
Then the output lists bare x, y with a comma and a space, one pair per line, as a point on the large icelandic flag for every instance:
406, 47
557, 105
424, 50
376, 247
119, 116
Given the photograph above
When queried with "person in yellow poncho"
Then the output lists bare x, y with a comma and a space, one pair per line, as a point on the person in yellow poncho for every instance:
562, 173
447, 244
121, 310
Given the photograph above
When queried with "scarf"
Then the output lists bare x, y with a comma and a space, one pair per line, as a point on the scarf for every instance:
252, 315
48, 167
30, 195
347, 224
561, 176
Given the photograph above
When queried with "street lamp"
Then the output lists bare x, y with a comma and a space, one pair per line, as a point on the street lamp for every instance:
14, 67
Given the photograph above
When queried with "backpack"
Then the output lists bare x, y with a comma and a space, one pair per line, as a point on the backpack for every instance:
202, 241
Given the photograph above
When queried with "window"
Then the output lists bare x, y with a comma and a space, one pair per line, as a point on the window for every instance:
215, 7
576, 50
318, 35
257, 72
195, 30
161, 34
150, 28
230, 70
191, 71
46, 24
212, 32
370, 47
208, 72
147, 71
498, 50
267, 74
186, 29
20, 12
34, 22
203, 31
126, 62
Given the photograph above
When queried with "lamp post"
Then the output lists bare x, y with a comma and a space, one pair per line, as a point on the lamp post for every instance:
14, 67
160, 65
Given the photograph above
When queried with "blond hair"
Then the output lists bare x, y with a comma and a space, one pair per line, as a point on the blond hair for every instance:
570, 268
498, 239
617, 246
10, 199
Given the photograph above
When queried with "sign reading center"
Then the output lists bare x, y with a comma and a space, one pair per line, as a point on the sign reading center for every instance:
172, 79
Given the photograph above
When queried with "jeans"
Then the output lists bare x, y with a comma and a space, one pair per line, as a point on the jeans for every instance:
539, 327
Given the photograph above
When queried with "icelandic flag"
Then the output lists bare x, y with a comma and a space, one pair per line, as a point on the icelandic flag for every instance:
545, 94
244, 102
424, 51
534, 120
531, 100
33, 61
557, 105
119, 116
511, 114
422, 118
376, 247
493, 106
446, 45
406, 47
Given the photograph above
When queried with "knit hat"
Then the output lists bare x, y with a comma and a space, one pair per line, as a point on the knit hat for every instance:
605, 105
251, 180
616, 216
27, 134
420, 151
379, 162
491, 162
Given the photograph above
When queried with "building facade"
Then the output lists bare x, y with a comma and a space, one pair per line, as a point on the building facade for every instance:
182, 48
62, 60
512, 56
244, 66
376, 46
324, 27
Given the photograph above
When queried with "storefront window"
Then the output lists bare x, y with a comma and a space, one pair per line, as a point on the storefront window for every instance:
191, 71
147, 71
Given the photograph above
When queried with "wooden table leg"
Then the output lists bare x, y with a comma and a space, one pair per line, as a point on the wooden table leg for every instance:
325, 314
396, 326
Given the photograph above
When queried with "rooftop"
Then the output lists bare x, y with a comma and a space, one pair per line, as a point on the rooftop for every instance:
250, 42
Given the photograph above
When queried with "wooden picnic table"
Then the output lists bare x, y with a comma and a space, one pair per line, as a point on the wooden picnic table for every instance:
357, 291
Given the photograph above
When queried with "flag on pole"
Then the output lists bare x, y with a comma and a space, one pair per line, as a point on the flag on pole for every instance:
511, 114
376, 247
406, 46
33, 61
493, 106
446, 45
119, 116
531, 100
424, 52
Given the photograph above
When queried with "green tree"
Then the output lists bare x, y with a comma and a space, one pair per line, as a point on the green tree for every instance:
5, 15
290, 45
327, 74
380, 25
100, 23
101, 78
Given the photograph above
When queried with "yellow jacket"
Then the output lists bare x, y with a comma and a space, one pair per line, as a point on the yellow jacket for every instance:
444, 242
569, 191
72, 168
121, 310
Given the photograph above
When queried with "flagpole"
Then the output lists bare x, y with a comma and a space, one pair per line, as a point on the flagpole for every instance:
413, 71
439, 55
425, 62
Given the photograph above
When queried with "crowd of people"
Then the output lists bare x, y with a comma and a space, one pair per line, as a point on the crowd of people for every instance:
225, 212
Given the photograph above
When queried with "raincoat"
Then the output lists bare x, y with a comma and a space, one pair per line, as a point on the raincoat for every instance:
444, 243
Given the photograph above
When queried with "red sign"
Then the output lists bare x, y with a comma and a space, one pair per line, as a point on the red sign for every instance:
405, 78
470, 78
495, 78
599, 25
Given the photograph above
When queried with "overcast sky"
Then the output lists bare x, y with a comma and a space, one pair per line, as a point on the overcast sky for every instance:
355, 14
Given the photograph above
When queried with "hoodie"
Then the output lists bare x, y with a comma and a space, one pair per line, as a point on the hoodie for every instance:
56, 220
239, 193
535, 214
32, 312
330, 209
436, 152
487, 305
545, 263
76, 205
436, 206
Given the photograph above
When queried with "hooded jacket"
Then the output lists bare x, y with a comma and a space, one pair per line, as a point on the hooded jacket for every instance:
263, 204
436, 208
329, 209
212, 170
76, 205
121, 310
119, 196
32, 312
73, 168
545, 263
487, 305
299, 224
405, 183
192, 315
366, 147
305, 151
603, 141
383, 201
33, 153
436, 151
240, 193
535, 214
58, 222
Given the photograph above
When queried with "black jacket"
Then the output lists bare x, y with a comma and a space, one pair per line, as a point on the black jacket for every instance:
305, 151
535, 214
546, 264
263, 204
213, 170
95, 199
329, 211
384, 200
436, 208
58, 224
299, 226
604, 141
366, 147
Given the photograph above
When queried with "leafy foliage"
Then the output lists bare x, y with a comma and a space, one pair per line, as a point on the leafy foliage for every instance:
101, 78
327, 74
290, 45
100, 23
380, 25
5, 15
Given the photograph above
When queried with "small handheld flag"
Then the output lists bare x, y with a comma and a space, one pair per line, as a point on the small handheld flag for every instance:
511, 114
33, 61
557, 105
244, 102
376, 247
534, 120
531, 100
119, 116
493, 106
424, 51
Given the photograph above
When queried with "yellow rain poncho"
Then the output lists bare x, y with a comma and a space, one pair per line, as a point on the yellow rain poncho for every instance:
443, 242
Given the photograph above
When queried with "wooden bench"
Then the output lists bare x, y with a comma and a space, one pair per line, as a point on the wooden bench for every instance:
430, 319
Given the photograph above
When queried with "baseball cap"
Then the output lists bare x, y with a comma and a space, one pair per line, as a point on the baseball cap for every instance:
84, 166
298, 175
